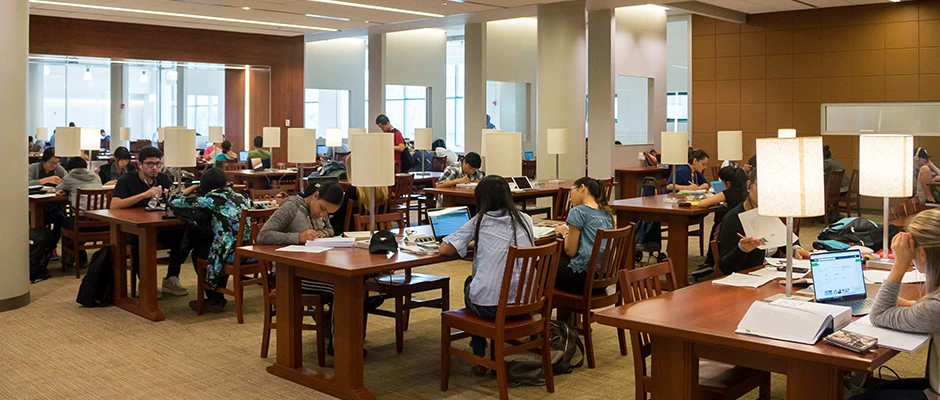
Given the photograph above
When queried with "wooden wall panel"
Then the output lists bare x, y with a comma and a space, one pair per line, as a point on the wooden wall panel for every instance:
260, 104
235, 107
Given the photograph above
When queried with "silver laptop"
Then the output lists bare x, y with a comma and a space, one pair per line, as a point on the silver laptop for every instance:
521, 184
838, 279
445, 221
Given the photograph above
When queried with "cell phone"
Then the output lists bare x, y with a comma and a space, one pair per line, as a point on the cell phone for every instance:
799, 270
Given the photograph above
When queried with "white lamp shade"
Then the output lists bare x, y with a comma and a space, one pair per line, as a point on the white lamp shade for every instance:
557, 141
215, 134
675, 148
178, 148
161, 134
357, 130
786, 133
41, 133
422, 138
504, 154
301, 145
885, 168
729, 145
271, 136
91, 138
483, 140
791, 182
373, 160
124, 134
334, 137
68, 142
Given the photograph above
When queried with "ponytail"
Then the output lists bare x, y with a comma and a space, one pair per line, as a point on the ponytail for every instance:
596, 189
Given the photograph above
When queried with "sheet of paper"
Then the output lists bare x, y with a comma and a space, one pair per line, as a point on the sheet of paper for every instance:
878, 276
332, 242
41, 195
296, 248
743, 280
772, 272
769, 230
896, 340
782, 262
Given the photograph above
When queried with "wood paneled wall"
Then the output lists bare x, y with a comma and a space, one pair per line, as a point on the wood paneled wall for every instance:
284, 55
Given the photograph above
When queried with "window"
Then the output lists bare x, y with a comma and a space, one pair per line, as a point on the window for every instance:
407, 108
455, 93
324, 109
677, 107
202, 111
631, 102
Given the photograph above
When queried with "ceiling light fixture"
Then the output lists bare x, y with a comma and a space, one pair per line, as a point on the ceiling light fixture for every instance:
144, 78
380, 8
179, 15
327, 17
87, 75
246, 8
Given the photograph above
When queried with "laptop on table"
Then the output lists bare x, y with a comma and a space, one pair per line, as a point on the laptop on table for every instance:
520, 184
445, 221
838, 279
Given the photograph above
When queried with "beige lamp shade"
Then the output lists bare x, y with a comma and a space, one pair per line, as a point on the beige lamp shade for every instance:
161, 134
42, 133
374, 160
504, 154
483, 140
215, 134
885, 168
68, 142
271, 136
334, 137
422, 138
729, 145
357, 130
178, 148
91, 138
675, 148
301, 145
786, 133
557, 140
124, 134
791, 183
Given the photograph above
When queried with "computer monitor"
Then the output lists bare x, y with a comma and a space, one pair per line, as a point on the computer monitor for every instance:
529, 156
321, 149
243, 156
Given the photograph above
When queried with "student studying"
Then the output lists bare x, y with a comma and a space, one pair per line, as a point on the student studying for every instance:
589, 213
689, 176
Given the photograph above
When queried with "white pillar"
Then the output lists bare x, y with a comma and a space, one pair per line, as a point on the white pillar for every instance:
35, 107
14, 45
118, 99
601, 70
376, 80
561, 84
474, 86
181, 98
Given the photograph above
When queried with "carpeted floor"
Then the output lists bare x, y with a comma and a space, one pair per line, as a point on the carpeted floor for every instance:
55, 349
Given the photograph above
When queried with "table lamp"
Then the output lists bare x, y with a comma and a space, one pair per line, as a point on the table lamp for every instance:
423, 143
885, 170
41, 133
178, 149
504, 153
334, 138
786, 133
675, 152
301, 145
124, 134
271, 135
216, 135
375, 156
484, 133
799, 162
730, 146
68, 142
557, 144
91, 139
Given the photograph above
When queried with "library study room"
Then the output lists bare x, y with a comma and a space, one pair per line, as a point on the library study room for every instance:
469, 199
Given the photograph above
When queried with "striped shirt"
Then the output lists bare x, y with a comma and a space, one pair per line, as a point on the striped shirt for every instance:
456, 171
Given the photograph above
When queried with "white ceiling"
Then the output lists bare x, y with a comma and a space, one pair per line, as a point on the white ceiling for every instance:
292, 11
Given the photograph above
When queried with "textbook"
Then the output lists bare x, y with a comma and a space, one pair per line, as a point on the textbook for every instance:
889, 338
793, 321
335, 242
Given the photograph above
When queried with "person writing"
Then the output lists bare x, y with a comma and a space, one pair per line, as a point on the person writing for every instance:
735, 180
47, 171
467, 171
383, 123
689, 176
117, 167
589, 213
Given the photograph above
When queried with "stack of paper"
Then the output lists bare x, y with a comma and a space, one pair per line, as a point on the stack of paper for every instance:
878, 276
793, 321
773, 273
337, 242
296, 248
41, 195
358, 235
895, 340
743, 280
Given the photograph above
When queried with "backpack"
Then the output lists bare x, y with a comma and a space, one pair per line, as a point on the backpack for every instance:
407, 161
526, 368
98, 284
853, 231
336, 169
40, 252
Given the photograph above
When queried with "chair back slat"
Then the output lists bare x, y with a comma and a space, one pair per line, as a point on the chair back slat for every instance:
382, 221
853, 185
438, 163
562, 204
88, 199
265, 194
253, 220
834, 185
528, 168
613, 250
898, 212
608, 185
404, 186
537, 270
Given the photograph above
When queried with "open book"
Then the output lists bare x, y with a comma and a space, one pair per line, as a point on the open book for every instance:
888, 338
793, 321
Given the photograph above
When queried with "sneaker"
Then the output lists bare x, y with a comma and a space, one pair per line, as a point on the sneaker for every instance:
172, 286
703, 271
210, 306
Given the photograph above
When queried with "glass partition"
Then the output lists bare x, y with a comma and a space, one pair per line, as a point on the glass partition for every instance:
507, 106
631, 109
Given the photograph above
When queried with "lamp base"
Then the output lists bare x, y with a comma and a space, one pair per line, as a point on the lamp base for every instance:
784, 296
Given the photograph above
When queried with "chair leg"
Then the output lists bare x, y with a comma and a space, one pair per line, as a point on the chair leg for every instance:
399, 324
266, 333
445, 355
546, 362
322, 327
239, 298
445, 296
407, 311
764, 391
200, 287
588, 337
501, 377
621, 335
77, 263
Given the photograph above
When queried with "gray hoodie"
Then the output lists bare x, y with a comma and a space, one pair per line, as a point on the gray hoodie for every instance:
290, 219
36, 173
79, 178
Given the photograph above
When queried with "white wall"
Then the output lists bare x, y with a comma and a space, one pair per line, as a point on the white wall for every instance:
640, 50
339, 64
419, 58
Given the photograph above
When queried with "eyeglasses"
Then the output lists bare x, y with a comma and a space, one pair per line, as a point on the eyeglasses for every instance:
153, 164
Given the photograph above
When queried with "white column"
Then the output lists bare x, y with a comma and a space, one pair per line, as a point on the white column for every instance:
376, 80
35, 107
181, 98
601, 70
561, 84
474, 86
14, 45
118, 98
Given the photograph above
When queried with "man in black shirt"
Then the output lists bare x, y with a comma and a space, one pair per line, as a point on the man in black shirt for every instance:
136, 190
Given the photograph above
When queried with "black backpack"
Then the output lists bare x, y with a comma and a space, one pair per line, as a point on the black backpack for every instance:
40, 252
407, 161
853, 231
98, 285
525, 368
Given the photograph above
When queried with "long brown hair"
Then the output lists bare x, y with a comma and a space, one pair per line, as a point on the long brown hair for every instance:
596, 189
925, 229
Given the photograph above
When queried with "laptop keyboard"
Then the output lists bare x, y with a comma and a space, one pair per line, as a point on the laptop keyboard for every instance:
861, 304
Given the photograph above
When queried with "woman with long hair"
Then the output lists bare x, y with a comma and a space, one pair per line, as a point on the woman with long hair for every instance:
497, 225
589, 213
735, 180
690, 176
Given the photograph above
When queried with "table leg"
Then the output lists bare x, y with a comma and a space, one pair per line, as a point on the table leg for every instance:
119, 257
677, 247
146, 306
449, 201
675, 369
348, 336
813, 381
290, 318
35, 215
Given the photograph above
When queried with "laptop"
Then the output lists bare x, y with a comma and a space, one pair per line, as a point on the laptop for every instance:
718, 186
243, 156
445, 221
321, 149
838, 279
521, 184
529, 155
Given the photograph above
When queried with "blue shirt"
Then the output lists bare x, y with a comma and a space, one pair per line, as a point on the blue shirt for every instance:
588, 220
684, 176
489, 262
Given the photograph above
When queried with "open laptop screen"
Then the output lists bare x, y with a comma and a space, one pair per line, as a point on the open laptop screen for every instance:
837, 275
522, 182
448, 220
243, 156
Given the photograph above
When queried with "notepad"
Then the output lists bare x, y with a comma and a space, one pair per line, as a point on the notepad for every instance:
889, 338
337, 242
773, 273
296, 248
766, 229
743, 280
878, 276
792, 321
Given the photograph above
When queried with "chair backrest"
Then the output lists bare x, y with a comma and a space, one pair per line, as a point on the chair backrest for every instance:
716, 256
89, 199
438, 163
661, 186
608, 187
537, 270
354, 207
340, 156
254, 219
853, 185
833, 185
897, 212
638, 285
613, 250
715, 169
264, 194
239, 188
232, 165
404, 186
528, 168
562, 204
382, 221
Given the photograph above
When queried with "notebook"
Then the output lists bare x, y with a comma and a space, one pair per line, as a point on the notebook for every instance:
838, 279
447, 220
793, 321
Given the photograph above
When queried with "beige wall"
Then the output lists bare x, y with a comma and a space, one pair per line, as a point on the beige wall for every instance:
419, 58
339, 64
776, 70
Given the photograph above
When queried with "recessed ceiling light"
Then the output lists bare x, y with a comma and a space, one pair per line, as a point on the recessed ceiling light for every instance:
246, 8
895, 1
327, 17
380, 8
180, 15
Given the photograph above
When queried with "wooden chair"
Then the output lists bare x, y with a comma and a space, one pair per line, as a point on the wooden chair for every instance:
265, 194
613, 251
527, 314
833, 186
240, 270
851, 200
86, 233
355, 208
562, 204
402, 287
438, 163
897, 212
715, 169
340, 156
401, 194
528, 168
232, 165
913, 206
716, 256
608, 187
715, 379
314, 306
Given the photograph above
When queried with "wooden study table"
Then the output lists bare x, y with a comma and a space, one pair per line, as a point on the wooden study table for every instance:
429, 179
258, 179
37, 208
345, 268
630, 178
653, 208
903, 222
146, 225
699, 322
455, 196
